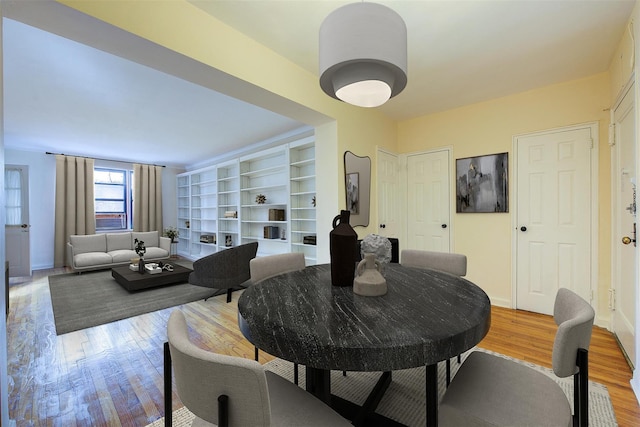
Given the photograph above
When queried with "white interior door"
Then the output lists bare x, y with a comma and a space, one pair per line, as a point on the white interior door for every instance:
429, 201
624, 276
388, 195
553, 217
16, 190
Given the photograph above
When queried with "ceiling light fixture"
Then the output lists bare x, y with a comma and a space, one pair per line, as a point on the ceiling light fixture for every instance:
363, 54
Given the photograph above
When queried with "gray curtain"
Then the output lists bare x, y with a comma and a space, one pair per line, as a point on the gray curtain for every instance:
147, 198
75, 211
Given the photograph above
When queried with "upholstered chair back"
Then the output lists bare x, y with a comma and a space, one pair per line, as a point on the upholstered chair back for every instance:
201, 376
574, 317
443, 261
265, 267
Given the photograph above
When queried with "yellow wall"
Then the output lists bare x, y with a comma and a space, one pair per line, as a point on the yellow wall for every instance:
489, 127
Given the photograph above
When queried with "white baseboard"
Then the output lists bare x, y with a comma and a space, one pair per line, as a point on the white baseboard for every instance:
500, 302
603, 322
635, 384
41, 267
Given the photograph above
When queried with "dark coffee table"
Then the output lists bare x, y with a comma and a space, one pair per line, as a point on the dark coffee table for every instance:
134, 281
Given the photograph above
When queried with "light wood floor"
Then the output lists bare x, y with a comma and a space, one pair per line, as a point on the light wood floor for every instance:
111, 375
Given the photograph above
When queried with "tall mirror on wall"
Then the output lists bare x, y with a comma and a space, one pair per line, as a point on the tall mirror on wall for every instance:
357, 174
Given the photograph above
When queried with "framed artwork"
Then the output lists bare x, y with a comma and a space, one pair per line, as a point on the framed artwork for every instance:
353, 193
357, 175
482, 183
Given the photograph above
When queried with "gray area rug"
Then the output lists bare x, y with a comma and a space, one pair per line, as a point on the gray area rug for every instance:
404, 400
95, 298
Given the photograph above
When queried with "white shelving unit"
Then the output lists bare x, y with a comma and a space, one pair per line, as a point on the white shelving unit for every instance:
302, 173
184, 213
204, 206
265, 174
222, 201
228, 201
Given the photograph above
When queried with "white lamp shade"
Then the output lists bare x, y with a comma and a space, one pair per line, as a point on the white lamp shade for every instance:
363, 54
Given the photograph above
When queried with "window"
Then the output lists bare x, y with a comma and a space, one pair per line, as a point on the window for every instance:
113, 199
13, 196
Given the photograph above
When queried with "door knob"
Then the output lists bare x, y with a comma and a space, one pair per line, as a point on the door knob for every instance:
626, 240
383, 225
523, 228
444, 225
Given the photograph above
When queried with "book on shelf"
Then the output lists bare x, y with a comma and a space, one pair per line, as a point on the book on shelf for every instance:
231, 214
208, 238
276, 215
271, 232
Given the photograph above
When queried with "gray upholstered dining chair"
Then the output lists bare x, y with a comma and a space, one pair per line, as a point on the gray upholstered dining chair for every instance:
232, 391
443, 261
489, 390
265, 267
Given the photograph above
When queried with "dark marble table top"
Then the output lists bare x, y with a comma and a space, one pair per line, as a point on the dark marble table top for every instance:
425, 317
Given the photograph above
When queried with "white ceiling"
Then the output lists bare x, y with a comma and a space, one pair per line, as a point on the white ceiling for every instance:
62, 96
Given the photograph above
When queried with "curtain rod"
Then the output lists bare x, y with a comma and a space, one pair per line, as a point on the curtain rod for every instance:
98, 158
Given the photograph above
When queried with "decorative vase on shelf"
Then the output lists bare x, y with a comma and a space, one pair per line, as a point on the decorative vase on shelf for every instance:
342, 248
369, 281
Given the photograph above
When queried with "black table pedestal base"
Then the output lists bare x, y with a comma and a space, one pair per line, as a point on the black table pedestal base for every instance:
319, 384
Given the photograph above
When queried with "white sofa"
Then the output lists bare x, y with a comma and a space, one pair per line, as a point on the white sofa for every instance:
100, 251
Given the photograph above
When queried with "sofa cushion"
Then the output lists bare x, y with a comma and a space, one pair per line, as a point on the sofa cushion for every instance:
122, 255
150, 238
116, 241
89, 259
153, 252
89, 243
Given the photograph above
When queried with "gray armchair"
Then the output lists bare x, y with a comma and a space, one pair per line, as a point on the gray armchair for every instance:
232, 391
492, 390
227, 269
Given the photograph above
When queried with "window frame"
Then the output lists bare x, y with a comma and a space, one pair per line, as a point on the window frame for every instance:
127, 200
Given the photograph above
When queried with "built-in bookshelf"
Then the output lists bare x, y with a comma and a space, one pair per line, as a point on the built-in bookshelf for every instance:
204, 206
266, 196
184, 212
302, 173
228, 201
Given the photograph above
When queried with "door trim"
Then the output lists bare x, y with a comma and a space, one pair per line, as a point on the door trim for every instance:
595, 136
404, 178
615, 203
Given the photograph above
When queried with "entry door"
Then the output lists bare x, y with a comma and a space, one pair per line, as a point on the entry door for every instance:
428, 201
623, 301
553, 217
16, 190
388, 195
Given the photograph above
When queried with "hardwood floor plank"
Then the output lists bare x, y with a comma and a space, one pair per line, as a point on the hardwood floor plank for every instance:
112, 375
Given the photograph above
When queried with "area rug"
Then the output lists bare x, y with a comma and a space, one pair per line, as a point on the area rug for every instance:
405, 397
94, 298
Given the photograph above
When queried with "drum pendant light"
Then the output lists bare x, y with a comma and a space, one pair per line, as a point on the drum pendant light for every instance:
363, 54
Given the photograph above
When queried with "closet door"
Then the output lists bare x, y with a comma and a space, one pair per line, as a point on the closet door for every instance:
388, 195
428, 201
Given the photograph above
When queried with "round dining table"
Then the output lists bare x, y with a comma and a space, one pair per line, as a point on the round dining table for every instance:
425, 317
